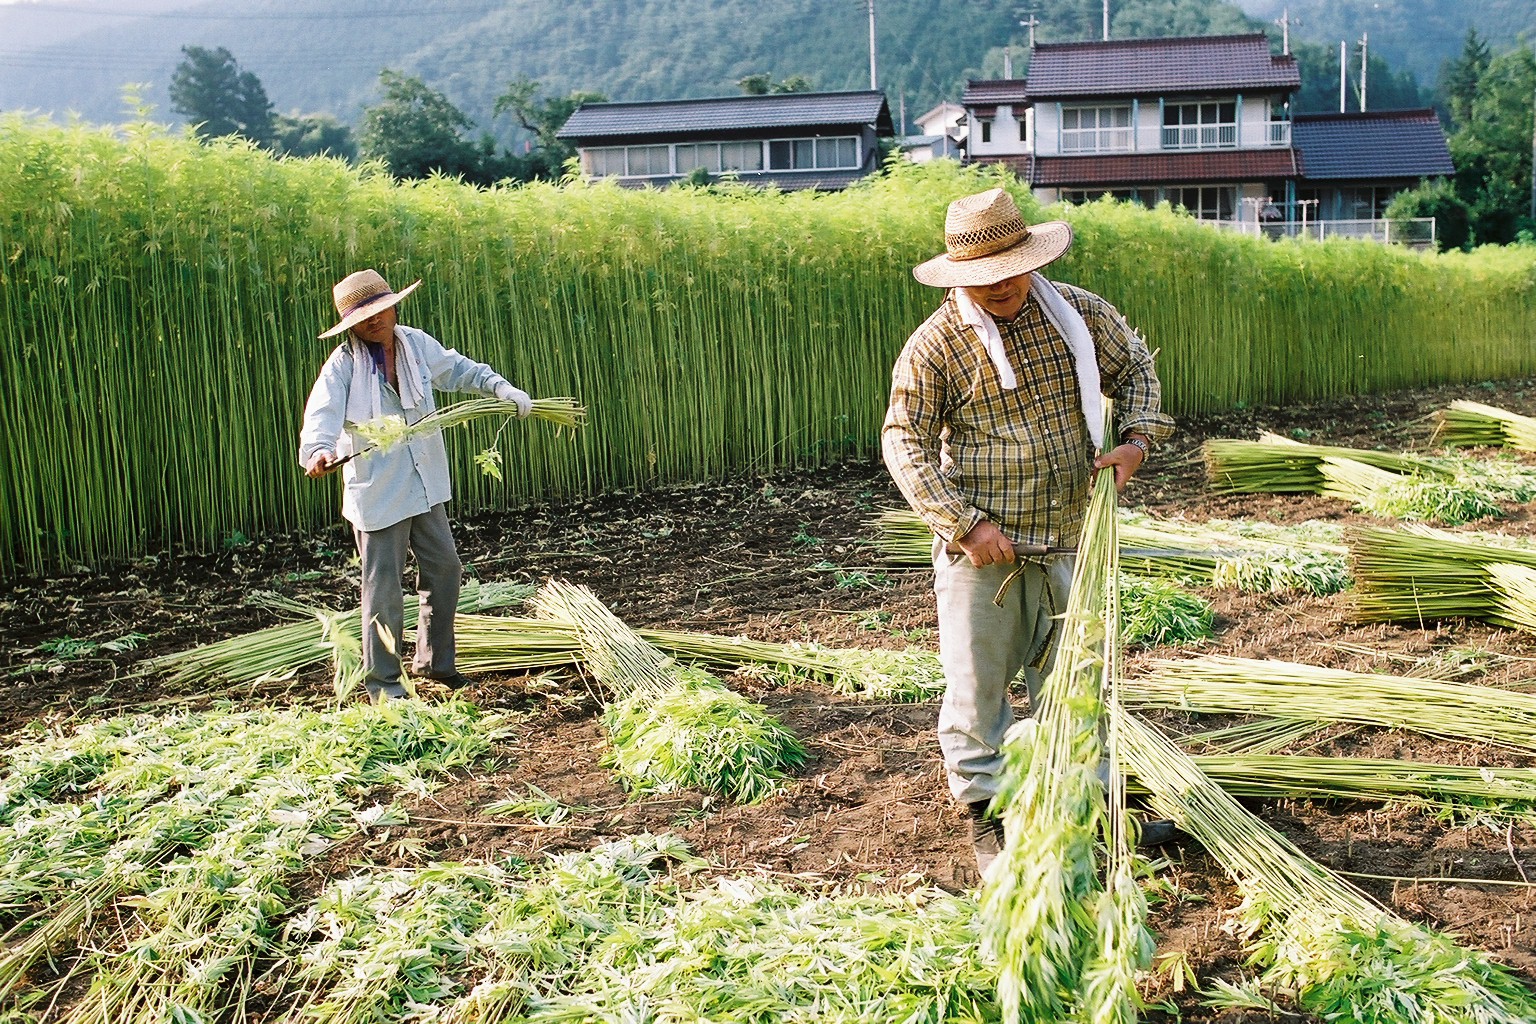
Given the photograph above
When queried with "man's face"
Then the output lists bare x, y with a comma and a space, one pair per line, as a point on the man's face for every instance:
378, 328
1002, 300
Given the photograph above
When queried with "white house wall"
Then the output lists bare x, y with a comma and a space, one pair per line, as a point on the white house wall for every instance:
1253, 124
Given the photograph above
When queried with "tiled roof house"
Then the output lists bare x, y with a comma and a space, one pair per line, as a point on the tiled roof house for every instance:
792, 140
1201, 122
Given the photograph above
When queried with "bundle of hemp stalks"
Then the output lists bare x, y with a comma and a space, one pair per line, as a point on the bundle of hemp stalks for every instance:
1476, 425
1218, 685
388, 431
1420, 574
1068, 940
1249, 556
1347, 959
316, 635
493, 643
1387, 484
671, 726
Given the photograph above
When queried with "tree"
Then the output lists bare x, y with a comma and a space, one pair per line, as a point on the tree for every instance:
1459, 78
1492, 149
762, 84
210, 90
542, 119
416, 131
312, 135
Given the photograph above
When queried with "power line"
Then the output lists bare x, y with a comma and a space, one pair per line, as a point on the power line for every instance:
189, 15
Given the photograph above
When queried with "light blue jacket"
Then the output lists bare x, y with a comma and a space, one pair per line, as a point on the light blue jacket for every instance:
383, 488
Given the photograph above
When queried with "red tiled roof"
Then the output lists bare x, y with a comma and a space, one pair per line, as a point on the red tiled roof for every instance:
991, 92
1153, 168
1022, 165
1126, 67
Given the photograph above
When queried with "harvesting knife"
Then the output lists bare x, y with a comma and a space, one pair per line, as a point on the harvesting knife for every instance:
336, 464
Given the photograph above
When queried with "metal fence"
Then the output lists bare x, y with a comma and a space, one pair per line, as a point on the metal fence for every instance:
1413, 232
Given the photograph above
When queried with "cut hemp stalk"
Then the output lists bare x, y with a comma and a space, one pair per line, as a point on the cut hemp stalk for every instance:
1241, 686
1069, 941
1387, 484
1346, 958
1476, 424
670, 726
388, 431
1249, 556
1419, 574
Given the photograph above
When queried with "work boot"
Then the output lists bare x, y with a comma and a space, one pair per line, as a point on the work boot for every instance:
986, 834
455, 681
1154, 831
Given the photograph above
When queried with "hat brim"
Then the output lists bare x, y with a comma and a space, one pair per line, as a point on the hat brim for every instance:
1045, 244
369, 309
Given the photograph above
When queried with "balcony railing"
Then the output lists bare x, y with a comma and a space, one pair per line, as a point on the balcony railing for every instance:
1413, 232
1200, 136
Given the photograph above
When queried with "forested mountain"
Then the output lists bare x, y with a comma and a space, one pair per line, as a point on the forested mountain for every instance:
1413, 35
325, 55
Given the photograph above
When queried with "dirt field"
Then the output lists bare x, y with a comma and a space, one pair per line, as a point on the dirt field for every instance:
750, 556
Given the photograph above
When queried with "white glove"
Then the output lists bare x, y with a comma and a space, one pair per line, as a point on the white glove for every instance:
507, 393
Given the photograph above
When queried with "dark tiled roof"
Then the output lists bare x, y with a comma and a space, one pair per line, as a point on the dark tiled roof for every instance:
990, 92
1171, 168
785, 110
1126, 67
1374, 144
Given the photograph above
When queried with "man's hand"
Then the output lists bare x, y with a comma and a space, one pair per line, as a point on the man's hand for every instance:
985, 544
1126, 459
320, 464
517, 396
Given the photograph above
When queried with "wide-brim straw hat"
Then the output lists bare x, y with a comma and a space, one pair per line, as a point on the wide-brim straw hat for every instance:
359, 296
987, 241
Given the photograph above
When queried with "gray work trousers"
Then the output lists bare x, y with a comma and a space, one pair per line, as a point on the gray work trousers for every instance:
982, 649
438, 571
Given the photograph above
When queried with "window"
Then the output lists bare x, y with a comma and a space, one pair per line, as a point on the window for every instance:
650, 160
607, 162
1207, 125
741, 156
705, 156
986, 129
1096, 130
813, 154
1144, 196
1204, 202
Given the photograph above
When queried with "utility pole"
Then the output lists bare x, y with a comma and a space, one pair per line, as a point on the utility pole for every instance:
1343, 73
873, 85
1030, 24
1106, 21
1363, 62
1285, 21
1008, 61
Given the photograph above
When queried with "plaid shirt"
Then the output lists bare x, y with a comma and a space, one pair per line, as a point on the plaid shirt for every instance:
962, 449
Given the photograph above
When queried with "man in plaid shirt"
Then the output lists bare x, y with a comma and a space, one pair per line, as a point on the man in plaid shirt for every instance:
995, 412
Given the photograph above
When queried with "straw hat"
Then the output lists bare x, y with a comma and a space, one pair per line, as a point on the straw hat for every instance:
358, 296
987, 241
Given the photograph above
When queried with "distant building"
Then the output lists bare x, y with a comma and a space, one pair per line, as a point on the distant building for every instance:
941, 132
1200, 122
791, 140
1353, 164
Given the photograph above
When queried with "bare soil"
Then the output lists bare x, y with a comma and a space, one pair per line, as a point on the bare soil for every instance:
751, 556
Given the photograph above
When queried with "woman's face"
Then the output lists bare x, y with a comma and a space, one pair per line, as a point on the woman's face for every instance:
378, 328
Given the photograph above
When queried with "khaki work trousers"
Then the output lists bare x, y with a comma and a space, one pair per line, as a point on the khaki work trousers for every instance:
438, 572
982, 649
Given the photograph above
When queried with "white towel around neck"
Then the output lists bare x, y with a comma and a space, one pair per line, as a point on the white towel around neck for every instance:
1069, 324
363, 399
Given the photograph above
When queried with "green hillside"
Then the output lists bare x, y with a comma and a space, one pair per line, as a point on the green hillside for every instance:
323, 56
1415, 35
